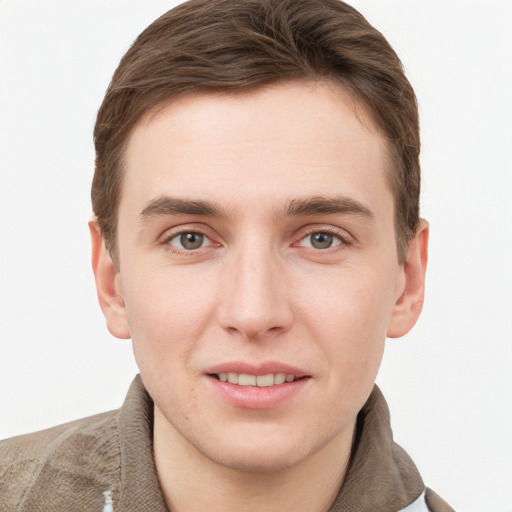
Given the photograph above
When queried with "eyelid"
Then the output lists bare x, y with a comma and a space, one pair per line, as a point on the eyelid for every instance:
345, 237
199, 229
204, 242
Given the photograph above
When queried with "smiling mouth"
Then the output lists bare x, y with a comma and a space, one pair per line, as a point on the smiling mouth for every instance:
261, 381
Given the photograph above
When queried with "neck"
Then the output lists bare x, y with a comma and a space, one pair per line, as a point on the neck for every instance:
192, 482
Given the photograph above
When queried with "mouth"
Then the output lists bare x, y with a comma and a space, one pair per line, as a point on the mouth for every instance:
257, 386
260, 381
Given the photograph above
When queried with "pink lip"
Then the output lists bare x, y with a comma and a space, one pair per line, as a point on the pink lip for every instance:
253, 397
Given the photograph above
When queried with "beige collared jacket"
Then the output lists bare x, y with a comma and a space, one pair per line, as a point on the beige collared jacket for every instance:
104, 463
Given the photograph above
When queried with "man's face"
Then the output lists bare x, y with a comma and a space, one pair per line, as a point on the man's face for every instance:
256, 243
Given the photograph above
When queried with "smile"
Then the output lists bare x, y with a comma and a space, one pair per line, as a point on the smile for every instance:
261, 386
261, 381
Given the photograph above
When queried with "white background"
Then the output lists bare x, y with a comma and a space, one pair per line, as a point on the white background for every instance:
448, 383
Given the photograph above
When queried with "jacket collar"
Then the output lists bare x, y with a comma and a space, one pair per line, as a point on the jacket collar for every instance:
381, 476
140, 489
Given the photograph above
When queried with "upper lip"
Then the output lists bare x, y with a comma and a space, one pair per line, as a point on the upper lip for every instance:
264, 368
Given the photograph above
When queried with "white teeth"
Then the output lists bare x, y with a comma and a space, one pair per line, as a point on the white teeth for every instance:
261, 381
280, 378
245, 379
233, 378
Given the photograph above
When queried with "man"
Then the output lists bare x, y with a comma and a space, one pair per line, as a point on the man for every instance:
257, 235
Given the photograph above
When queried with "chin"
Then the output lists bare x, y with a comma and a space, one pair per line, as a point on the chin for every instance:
256, 460
261, 450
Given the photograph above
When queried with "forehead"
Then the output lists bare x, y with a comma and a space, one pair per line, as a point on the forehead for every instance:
280, 142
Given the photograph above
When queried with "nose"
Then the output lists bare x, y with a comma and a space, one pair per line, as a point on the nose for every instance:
256, 296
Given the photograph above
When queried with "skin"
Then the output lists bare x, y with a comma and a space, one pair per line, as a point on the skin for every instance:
258, 288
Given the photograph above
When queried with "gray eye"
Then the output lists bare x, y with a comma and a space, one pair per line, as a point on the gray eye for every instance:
321, 240
191, 241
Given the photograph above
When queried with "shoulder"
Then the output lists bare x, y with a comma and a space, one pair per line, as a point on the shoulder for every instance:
86, 449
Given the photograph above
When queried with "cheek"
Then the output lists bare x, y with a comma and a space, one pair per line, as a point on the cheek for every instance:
167, 314
355, 300
348, 315
356, 323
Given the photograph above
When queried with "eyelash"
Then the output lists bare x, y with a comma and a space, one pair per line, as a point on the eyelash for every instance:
342, 236
166, 241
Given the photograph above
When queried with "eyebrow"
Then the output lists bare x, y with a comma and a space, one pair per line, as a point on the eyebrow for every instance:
325, 206
300, 207
166, 205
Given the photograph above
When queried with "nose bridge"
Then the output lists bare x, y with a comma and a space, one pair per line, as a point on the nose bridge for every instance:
256, 299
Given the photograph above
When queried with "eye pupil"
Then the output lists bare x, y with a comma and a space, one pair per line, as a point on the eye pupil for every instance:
321, 240
191, 240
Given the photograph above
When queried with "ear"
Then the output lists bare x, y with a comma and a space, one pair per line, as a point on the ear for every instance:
410, 303
108, 285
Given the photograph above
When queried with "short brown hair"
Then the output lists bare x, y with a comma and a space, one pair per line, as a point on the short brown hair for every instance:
239, 45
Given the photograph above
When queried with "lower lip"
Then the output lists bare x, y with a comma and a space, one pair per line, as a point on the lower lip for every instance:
253, 397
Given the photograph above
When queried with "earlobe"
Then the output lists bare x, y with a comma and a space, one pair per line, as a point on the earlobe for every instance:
108, 285
409, 305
